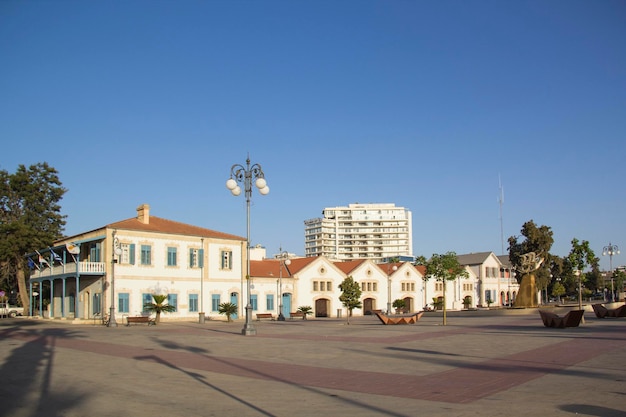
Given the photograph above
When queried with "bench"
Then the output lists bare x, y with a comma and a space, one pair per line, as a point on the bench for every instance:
139, 319
602, 312
297, 314
400, 319
260, 316
571, 319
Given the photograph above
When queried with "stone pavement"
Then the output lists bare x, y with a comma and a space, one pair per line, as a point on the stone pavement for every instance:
491, 363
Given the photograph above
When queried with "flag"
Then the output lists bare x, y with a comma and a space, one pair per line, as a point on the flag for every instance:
56, 257
31, 264
42, 260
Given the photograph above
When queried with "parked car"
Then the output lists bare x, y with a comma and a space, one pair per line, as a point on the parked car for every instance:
7, 310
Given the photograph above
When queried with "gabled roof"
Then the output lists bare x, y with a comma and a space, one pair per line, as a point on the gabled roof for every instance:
477, 258
348, 266
505, 261
157, 224
270, 268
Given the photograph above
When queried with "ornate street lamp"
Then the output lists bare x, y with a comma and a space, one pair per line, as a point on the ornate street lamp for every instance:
611, 250
117, 251
246, 175
284, 261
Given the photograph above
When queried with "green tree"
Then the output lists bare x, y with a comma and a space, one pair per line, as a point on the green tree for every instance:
445, 268
158, 306
580, 257
399, 304
538, 240
228, 309
350, 295
558, 290
619, 277
30, 219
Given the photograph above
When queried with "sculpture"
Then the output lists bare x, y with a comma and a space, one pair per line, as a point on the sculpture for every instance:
527, 295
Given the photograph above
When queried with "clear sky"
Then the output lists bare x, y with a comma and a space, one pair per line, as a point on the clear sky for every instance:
425, 104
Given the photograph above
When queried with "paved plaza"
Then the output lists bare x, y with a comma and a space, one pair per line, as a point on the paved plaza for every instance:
482, 363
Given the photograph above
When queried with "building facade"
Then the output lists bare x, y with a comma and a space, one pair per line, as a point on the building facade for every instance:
360, 231
120, 266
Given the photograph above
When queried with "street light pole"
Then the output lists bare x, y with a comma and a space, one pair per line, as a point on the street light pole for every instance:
284, 260
245, 175
611, 250
580, 292
394, 269
116, 252
201, 315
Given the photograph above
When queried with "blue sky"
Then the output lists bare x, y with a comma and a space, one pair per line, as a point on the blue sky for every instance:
422, 104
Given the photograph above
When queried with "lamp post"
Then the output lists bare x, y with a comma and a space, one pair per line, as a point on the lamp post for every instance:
245, 175
394, 269
284, 261
201, 316
580, 292
611, 250
117, 251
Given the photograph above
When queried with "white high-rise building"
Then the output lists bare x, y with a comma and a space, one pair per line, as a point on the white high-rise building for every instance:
360, 231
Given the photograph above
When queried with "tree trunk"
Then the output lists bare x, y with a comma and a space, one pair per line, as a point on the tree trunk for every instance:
23, 289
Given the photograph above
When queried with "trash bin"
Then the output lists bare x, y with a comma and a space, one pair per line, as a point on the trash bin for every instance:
339, 313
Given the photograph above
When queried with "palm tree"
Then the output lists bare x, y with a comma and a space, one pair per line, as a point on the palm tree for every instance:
306, 310
159, 306
228, 309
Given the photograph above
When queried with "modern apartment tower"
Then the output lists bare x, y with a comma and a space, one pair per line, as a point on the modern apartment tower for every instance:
360, 231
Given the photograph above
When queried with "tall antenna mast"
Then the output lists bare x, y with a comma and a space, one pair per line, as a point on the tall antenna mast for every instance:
501, 201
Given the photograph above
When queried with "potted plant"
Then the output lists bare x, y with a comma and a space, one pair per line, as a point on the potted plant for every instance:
467, 301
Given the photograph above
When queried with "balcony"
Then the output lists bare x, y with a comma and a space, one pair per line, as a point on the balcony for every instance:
84, 268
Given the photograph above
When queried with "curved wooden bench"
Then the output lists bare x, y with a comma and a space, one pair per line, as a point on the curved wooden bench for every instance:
401, 319
571, 319
603, 312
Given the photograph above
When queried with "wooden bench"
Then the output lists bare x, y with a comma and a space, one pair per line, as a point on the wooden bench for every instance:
260, 316
602, 312
400, 319
139, 319
571, 319
297, 314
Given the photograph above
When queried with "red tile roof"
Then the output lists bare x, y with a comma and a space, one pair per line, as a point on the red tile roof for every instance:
160, 225
269, 268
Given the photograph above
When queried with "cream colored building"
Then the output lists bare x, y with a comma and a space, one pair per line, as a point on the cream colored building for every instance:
360, 231
122, 264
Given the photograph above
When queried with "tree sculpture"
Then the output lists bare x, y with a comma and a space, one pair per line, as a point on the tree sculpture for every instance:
527, 295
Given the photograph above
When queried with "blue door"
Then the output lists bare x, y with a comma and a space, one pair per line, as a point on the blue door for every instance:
233, 299
286, 304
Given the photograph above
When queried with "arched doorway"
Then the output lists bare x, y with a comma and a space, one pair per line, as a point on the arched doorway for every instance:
286, 304
368, 306
408, 304
234, 300
321, 307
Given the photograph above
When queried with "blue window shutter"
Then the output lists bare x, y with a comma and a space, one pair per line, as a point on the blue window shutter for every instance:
131, 254
190, 258
201, 258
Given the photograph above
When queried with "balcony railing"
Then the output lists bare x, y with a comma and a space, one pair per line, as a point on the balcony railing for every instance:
85, 268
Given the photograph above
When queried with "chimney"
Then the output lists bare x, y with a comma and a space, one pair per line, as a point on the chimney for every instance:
143, 213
